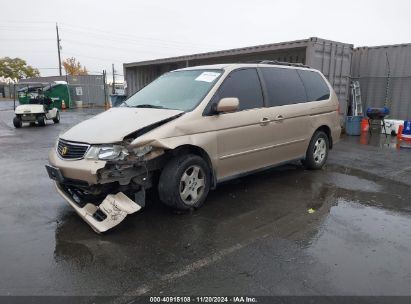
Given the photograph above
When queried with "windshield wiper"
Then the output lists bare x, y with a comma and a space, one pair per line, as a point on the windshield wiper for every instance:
149, 106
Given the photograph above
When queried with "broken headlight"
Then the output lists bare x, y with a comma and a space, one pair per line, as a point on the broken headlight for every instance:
112, 152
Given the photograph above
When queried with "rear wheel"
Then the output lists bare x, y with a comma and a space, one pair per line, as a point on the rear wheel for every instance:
41, 120
184, 182
17, 122
317, 151
57, 118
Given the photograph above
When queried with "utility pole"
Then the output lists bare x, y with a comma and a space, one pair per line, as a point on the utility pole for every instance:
113, 90
58, 48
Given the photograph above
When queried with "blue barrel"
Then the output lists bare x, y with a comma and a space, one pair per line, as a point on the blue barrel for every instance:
407, 127
353, 125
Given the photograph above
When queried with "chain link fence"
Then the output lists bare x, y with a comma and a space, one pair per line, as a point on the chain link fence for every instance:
86, 91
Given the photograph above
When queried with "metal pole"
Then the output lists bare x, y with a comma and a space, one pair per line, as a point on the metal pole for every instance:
58, 48
113, 90
387, 86
105, 92
14, 96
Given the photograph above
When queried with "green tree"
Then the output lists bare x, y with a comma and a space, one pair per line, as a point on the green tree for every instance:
17, 68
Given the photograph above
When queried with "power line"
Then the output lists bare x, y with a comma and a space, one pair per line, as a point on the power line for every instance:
118, 48
26, 39
94, 31
126, 36
25, 21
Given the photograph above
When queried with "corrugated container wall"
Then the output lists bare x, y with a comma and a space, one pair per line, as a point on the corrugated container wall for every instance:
370, 65
333, 59
87, 88
330, 57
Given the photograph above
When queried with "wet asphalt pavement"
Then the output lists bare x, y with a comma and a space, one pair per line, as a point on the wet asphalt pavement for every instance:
253, 236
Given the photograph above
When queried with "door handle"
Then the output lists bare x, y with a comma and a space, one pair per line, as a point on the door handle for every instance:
264, 121
279, 118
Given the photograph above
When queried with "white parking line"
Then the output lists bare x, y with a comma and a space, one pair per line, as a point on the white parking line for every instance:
204, 262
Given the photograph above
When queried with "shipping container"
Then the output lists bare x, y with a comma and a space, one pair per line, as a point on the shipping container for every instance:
384, 73
330, 57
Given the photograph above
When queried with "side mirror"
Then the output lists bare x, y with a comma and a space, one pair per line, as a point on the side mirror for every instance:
228, 104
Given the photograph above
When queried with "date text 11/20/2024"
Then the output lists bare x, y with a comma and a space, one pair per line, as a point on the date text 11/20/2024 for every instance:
238, 299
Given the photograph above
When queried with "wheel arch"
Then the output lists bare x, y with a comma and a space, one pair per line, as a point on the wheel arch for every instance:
191, 149
326, 129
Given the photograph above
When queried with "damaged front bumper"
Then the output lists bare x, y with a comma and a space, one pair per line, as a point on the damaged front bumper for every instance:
111, 212
103, 193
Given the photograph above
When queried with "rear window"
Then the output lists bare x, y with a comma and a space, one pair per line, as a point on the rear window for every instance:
315, 85
284, 86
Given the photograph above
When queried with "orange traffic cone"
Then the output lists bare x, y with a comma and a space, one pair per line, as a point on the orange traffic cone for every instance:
63, 105
107, 105
399, 134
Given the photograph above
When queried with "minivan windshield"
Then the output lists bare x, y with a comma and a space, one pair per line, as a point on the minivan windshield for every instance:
179, 90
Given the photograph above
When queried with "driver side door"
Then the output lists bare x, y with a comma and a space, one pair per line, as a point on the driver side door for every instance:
243, 136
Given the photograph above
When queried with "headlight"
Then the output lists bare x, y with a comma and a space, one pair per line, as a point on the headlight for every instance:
114, 152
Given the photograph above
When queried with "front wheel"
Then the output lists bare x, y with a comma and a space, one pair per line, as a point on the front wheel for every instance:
317, 151
184, 182
17, 122
41, 120
57, 118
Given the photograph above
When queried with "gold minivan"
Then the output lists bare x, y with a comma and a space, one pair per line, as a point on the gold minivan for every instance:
189, 130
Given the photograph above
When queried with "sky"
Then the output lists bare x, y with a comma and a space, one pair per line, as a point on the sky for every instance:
102, 33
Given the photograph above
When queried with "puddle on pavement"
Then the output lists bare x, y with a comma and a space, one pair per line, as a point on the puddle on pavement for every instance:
366, 250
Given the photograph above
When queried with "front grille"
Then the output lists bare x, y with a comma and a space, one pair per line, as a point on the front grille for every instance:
70, 150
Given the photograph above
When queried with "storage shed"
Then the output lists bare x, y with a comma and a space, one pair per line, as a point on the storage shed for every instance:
330, 57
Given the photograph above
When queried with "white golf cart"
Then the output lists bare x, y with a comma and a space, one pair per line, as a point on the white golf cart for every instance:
33, 113
38, 108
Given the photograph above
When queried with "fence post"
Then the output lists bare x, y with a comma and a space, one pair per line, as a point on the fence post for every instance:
106, 105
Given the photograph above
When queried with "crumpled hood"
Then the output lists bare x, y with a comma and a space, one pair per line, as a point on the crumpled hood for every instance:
113, 125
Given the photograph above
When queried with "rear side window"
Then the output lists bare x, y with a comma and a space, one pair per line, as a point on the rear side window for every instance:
245, 85
315, 85
284, 86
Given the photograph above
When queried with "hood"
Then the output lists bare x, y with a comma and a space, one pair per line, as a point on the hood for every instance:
113, 125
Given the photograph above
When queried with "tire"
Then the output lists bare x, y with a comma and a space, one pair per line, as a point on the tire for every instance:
317, 152
41, 120
17, 122
183, 178
57, 118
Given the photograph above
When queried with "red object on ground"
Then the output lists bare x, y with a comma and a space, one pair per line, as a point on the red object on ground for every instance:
364, 125
400, 135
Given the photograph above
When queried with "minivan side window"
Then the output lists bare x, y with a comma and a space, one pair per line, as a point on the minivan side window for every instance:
315, 85
283, 86
245, 85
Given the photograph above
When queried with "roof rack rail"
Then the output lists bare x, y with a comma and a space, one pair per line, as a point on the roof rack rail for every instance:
276, 62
